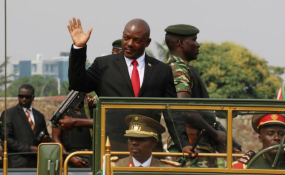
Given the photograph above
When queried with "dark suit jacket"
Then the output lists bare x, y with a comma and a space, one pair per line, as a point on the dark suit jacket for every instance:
108, 76
20, 136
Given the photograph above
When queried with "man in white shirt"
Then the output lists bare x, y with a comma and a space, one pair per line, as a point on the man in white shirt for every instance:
23, 126
131, 73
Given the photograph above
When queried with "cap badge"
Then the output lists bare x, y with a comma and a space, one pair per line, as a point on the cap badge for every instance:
274, 116
136, 118
136, 127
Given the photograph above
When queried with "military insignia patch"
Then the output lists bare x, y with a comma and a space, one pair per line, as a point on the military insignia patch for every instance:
136, 127
130, 165
274, 116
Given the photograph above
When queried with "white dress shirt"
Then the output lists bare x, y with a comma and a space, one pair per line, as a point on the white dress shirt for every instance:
31, 113
145, 164
140, 67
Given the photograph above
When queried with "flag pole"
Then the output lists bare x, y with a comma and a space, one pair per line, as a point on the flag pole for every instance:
5, 159
281, 95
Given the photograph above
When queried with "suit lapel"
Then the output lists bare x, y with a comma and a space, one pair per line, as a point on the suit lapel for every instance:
153, 162
122, 66
147, 73
23, 117
129, 162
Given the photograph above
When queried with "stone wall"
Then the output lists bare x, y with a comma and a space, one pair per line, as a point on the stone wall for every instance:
46, 105
244, 134
242, 130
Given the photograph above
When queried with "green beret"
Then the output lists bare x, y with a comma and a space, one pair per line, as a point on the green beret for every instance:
117, 44
182, 29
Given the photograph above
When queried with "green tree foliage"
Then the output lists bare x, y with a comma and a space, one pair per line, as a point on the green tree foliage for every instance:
231, 71
149, 53
44, 86
2, 74
162, 51
278, 71
64, 88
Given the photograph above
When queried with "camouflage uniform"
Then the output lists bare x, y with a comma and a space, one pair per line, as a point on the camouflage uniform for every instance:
181, 74
183, 81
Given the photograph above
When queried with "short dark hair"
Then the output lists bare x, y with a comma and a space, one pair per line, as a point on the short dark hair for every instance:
27, 86
172, 39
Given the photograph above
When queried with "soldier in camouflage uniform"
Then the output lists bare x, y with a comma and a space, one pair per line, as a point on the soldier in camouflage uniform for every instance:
183, 47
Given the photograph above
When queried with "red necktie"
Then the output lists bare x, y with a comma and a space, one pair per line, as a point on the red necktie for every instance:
30, 120
135, 79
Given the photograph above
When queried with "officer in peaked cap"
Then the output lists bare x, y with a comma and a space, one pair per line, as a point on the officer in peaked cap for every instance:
117, 46
142, 136
271, 130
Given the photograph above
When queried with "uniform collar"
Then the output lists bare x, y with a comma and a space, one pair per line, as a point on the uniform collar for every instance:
145, 164
172, 58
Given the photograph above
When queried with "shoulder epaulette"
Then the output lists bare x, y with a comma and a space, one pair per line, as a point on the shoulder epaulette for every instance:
114, 158
246, 157
173, 163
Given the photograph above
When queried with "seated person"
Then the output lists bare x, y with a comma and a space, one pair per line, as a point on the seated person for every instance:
271, 130
142, 138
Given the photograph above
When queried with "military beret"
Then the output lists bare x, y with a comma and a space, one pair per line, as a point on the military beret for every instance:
182, 29
259, 120
142, 126
117, 44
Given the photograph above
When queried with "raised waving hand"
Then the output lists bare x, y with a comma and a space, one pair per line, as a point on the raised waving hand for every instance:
78, 36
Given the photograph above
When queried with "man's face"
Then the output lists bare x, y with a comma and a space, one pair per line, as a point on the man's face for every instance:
271, 135
25, 97
141, 148
191, 47
134, 41
116, 51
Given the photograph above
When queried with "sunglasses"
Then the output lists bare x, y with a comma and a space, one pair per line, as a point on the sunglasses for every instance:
25, 96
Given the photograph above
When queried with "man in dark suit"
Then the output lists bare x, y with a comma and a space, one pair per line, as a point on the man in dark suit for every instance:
23, 126
131, 73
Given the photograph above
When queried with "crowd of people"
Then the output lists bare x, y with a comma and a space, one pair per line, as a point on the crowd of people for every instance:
130, 72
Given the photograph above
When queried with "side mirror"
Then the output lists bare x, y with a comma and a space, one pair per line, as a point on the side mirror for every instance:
49, 159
